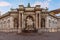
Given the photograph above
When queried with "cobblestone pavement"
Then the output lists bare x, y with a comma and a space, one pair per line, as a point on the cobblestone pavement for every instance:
33, 36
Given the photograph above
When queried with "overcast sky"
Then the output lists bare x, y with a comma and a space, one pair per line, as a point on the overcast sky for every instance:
5, 5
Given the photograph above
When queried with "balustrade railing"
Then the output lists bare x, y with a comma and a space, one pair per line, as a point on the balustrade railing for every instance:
41, 29
50, 29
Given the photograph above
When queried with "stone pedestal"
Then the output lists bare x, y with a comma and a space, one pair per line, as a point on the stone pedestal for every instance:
41, 30
19, 31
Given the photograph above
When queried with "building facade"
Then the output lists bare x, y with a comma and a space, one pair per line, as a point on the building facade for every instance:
29, 19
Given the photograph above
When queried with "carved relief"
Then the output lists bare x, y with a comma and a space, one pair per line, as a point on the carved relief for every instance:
29, 23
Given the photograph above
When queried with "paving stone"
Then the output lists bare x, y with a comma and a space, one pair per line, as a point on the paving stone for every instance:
30, 36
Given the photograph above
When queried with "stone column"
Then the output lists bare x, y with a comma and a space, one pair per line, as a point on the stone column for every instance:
36, 21
19, 21
46, 22
22, 21
39, 21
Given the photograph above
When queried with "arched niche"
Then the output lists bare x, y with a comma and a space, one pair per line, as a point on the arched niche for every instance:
29, 23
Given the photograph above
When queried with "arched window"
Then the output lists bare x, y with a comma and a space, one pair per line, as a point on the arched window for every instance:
1, 24
8, 23
49, 23
42, 23
16, 23
4, 23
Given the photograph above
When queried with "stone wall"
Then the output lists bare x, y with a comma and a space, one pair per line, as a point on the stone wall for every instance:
6, 23
51, 23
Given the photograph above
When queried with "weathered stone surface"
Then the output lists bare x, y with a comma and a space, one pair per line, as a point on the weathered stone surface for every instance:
32, 36
39, 18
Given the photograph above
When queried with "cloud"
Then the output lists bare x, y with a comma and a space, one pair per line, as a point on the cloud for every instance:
5, 4
47, 0
2, 12
43, 4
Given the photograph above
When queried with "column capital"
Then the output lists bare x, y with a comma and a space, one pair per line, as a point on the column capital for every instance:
38, 12
21, 11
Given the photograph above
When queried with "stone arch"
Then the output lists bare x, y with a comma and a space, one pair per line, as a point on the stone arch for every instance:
29, 23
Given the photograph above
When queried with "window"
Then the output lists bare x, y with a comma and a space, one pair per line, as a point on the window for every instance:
16, 23
42, 23
1, 24
4, 23
49, 23
8, 23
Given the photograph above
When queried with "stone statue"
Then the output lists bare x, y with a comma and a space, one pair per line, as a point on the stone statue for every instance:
29, 23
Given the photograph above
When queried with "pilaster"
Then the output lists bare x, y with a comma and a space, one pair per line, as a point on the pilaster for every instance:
39, 20
20, 21
36, 21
